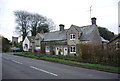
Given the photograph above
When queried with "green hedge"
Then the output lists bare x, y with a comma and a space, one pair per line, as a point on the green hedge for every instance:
96, 54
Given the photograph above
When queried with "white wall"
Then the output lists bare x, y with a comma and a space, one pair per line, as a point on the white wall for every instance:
26, 41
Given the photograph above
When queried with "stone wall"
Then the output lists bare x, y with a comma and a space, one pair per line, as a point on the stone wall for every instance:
74, 31
53, 45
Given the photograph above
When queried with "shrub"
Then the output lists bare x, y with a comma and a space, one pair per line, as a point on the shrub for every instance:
96, 54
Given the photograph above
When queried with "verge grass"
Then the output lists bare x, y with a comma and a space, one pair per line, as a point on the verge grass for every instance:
98, 66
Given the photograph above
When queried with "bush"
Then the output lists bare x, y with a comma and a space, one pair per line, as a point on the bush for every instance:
96, 54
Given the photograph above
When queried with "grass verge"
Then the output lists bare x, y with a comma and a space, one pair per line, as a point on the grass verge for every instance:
88, 65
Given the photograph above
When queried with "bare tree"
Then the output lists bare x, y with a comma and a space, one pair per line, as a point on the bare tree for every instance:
22, 19
50, 24
39, 22
34, 23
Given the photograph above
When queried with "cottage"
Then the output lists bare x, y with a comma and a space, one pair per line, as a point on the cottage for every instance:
64, 42
27, 43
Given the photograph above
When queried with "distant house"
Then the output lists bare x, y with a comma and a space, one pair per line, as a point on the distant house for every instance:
115, 43
27, 43
14, 41
64, 42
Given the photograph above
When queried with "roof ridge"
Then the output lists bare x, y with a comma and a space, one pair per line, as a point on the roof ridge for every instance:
85, 26
80, 26
54, 31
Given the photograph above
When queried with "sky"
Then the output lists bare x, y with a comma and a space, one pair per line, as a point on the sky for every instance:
67, 12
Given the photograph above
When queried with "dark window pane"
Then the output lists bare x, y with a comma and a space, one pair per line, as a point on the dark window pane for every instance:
73, 36
71, 49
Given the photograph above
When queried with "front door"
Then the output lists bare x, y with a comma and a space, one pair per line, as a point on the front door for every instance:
57, 50
26, 47
65, 51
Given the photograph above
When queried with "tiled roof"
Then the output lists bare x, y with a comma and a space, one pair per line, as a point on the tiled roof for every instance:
51, 36
87, 32
115, 38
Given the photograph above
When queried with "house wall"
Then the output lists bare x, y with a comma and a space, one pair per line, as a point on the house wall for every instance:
37, 42
71, 43
60, 49
72, 30
95, 37
26, 41
14, 40
56, 47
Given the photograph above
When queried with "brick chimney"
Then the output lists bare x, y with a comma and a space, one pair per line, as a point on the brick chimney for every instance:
61, 27
93, 20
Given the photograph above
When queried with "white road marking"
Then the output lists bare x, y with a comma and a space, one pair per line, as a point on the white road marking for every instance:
43, 71
17, 62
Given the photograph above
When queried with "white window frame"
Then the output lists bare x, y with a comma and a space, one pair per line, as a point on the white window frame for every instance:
72, 36
47, 48
72, 49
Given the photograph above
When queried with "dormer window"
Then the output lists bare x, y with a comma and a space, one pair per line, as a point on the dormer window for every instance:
72, 36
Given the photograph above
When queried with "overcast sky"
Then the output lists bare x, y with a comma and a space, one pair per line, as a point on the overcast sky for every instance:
65, 12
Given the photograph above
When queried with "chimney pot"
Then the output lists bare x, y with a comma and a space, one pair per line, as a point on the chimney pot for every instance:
93, 21
61, 27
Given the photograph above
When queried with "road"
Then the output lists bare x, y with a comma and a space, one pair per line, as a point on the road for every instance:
17, 67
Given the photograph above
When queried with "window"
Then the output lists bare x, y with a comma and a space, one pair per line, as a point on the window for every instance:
72, 49
47, 49
72, 36
26, 45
